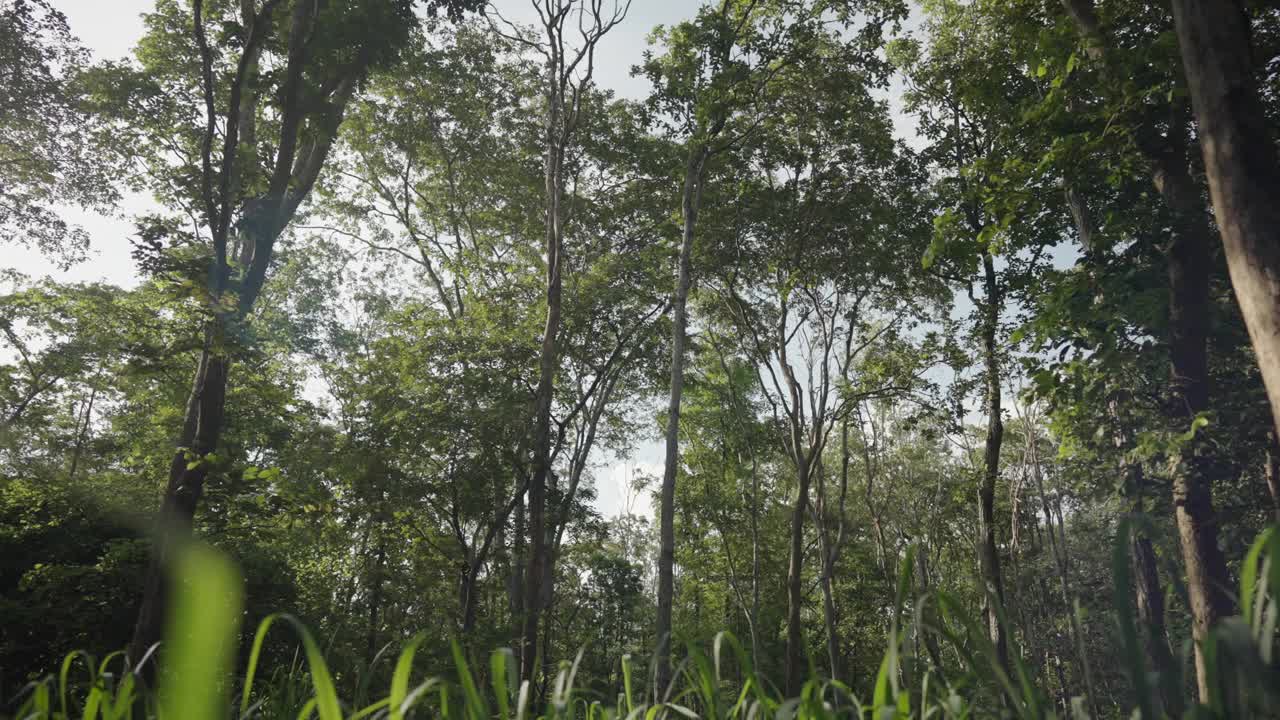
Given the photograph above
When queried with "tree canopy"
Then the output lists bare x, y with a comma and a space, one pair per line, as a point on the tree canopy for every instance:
950, 322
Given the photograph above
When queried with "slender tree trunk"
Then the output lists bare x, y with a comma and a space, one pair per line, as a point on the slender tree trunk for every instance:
515, 583
1150, 603
795, 658
1058, 547
376, 582
690, 200
756, 658
877, 527
467, 600
1188, 262
548, 360
1063, 695
81, 435
1273, 472
831, 547
928, 616
536, 569
201, 430
1241, 163
1148, 597
988, 551
829, 619
502, 557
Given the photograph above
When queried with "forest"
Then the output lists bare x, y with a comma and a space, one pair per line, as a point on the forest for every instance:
875, 359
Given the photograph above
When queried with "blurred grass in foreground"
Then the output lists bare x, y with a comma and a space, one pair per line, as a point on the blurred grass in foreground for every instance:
196, 680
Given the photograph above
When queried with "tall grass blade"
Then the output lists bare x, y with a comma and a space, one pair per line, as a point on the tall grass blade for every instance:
473, 703
400, 677
626, 684
502, 675
326, 694
200, 639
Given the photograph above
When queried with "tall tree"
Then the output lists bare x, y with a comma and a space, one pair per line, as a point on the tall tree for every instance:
713, 69
711, 83
966, 89
569, 71
1242, 165
276, 131
1162, 136
808, 274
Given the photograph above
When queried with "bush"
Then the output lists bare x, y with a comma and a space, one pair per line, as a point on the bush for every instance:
720, 684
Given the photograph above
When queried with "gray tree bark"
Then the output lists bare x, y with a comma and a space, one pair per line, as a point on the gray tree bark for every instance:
1241, 163
691, 197
988, 551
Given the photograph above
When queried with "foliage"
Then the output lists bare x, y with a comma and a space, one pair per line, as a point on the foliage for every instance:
902, 213
48, 141
716, 684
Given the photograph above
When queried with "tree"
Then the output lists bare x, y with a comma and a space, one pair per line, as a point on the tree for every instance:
992, 231
1161, 136
240, 201
808, 276
569, 73
711, 74
454, 206
1241, 164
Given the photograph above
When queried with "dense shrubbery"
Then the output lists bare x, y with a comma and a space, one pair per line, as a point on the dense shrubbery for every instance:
712, 682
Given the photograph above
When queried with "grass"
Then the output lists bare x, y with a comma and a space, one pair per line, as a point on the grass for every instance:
719, 684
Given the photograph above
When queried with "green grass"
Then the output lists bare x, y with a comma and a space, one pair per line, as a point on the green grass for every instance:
717, 682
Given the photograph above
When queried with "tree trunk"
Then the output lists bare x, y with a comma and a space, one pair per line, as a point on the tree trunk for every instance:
756, 656
547, 361
537, 565
375, 601
1188, 268
82, 432
829, 619
929, 616
467, 597
690, 200
988, 552
1148, 597
795, 659
515, 583
1150, 603
877, 527
1062, 562
1273, 473
1242, 166
831, 546
1188, 263
201, 430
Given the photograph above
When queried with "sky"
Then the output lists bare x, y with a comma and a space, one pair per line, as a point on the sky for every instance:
110, 28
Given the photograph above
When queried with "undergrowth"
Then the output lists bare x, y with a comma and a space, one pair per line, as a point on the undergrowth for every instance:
717, 682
